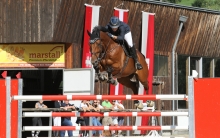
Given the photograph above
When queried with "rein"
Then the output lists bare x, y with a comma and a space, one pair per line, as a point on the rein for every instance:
112, 49
124, 66
103, 54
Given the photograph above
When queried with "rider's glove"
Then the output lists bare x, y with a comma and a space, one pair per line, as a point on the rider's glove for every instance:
110, 35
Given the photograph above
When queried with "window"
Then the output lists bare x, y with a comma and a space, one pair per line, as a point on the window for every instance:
182, 79
193, 61
206, 63
217, 68
160, 65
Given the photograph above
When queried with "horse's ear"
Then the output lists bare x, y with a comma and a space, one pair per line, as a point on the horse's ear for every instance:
89, 33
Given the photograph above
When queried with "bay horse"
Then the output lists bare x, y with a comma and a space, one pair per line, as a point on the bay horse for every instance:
108, 55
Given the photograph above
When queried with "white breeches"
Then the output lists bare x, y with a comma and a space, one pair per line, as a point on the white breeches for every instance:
128, 39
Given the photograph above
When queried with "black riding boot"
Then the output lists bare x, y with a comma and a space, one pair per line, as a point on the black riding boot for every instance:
134, 55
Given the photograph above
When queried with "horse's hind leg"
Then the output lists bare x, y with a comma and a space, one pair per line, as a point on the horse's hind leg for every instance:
142, 75
143, 78
145, 84
128, 83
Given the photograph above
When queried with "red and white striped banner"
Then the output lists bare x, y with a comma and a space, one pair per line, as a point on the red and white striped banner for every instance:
147, 48
91, 20
147, 45
122, 14
98, 114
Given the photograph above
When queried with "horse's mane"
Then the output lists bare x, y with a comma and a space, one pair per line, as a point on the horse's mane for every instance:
99, 28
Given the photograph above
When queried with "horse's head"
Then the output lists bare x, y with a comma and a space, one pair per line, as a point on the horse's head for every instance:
96, 44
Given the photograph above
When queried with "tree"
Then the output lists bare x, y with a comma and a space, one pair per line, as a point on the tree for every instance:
171, 1
209, 4
199, 3
174, 1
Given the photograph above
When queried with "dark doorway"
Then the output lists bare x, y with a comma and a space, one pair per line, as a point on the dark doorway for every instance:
38, 82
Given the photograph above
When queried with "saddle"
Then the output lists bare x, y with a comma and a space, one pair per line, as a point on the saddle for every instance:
125, 47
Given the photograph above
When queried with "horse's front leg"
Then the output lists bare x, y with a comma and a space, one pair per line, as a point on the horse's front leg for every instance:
111, 80
98, 76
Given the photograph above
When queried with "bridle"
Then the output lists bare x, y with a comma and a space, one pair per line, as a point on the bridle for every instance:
102, 53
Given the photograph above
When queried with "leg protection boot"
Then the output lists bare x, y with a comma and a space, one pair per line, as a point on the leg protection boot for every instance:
134, 55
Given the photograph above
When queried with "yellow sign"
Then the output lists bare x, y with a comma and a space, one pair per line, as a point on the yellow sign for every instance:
32, 55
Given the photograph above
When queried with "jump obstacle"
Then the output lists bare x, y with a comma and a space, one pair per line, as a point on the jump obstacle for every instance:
50, 128
99, 97
97, 114
12, 99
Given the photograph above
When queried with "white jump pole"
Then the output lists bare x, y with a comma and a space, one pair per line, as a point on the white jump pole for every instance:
20, 92
98, 97
98, 114
110, 137
8, 107
191, 107
52, 128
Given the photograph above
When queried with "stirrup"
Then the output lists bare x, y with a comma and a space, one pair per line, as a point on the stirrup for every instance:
138, 66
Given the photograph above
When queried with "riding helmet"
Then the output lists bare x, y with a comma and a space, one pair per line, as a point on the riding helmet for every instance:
114, 22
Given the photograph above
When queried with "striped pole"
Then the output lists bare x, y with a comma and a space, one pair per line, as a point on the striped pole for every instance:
52, 128
98, 97
98, 114
111, 137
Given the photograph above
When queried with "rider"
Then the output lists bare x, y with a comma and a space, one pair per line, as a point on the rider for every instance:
119, 30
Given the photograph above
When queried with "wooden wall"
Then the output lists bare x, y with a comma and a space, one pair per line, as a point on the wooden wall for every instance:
34, 21
62, 21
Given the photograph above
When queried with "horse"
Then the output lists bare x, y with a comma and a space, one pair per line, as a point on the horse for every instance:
108, 56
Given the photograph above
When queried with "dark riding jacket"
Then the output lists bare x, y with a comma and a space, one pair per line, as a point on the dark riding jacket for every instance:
122, 30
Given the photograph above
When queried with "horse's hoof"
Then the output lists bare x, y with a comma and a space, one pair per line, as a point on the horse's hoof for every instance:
101, 78
96, 80
110, 81
105, 78
115, 83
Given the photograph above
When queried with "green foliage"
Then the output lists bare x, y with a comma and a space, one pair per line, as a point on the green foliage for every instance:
186, 2
208, 4
199, 3
171, 1
174, 1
